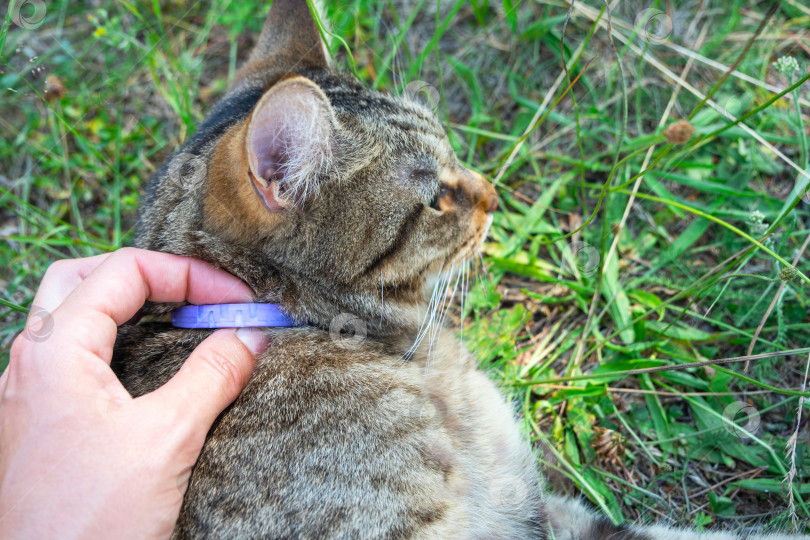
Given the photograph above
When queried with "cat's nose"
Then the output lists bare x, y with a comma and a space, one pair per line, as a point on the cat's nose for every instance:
487, 198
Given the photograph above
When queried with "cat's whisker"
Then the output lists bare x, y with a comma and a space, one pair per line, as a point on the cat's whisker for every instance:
422, 327
483, 263
437, 303
442, 305
449, 301
440, 302
440, 297
461, 299
445, 308
435, 299
382, 299
464, 285
421, 332
481, 274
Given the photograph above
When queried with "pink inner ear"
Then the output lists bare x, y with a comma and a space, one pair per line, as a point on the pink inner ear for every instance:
285, 135
270, 141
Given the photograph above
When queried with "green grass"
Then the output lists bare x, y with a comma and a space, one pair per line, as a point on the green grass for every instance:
568, 115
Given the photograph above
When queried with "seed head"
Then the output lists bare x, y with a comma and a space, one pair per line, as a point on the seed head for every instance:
54, 89
788, 273
679, 133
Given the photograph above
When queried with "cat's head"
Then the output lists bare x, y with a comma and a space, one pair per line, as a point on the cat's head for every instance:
354, 200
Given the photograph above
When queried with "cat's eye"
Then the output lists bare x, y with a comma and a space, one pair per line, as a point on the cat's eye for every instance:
441, 192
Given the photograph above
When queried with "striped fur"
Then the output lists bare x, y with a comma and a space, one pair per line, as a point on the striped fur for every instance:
398, 436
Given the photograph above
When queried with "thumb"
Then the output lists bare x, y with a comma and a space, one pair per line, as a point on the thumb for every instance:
213, 376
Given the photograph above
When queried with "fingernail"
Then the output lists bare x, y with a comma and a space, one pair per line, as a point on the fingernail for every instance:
253, 338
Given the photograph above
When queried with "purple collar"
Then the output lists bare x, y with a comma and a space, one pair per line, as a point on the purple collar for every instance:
230, 316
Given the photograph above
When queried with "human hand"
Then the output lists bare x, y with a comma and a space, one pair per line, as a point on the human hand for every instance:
79, 457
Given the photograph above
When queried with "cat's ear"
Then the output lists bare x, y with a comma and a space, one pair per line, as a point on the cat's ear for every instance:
289, 142
290, 35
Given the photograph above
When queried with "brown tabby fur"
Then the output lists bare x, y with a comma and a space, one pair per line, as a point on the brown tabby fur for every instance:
331, 440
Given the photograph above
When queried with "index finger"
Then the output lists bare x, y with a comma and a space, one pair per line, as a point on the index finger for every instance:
117, 288
61, 278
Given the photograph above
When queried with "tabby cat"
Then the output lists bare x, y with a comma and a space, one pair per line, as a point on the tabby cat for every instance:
328, 198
